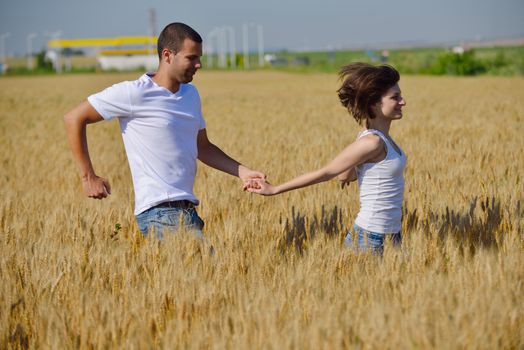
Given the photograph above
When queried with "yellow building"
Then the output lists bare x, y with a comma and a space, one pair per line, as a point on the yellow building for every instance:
119, 53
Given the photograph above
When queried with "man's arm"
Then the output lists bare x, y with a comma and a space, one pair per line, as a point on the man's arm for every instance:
214, 157
75, 122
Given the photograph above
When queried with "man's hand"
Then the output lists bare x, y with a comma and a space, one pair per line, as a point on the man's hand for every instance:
246, 174
261, 187
96, 187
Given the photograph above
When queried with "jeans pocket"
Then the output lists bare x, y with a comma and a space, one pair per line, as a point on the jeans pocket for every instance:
374, 241
158, 219
161, 219
353, 238
143, 220
169, 217
192, 220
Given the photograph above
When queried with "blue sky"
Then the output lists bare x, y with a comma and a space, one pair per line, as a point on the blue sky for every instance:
289, 24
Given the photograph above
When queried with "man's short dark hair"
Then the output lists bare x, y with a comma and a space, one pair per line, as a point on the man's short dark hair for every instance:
173, 35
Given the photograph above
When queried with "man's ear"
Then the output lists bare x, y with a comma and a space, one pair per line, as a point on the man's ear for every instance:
166, 55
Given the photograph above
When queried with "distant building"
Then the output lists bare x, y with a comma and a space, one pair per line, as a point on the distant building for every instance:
274, 60
123, 60
120, 53
459, 50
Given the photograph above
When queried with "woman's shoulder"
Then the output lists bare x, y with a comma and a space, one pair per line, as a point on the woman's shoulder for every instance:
370, 142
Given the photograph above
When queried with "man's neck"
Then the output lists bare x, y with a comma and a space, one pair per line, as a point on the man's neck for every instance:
163, 81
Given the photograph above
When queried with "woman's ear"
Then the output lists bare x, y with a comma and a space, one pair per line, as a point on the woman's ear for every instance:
376, 108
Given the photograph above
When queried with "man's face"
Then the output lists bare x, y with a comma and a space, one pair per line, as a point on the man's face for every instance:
186, 61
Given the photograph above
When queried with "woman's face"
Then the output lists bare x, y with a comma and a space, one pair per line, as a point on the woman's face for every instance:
390, 106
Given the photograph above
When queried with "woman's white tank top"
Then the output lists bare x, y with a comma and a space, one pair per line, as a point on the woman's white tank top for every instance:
381, 189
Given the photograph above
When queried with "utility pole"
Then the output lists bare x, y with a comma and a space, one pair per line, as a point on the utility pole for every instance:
222, 47
30, 38
232, 46
245, 44
260, 43
2, 46
209, 48
152, 29
260, 32
152, 22
57, 55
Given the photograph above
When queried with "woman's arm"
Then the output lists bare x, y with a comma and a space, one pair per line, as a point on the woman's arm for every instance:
347, 176
365, 148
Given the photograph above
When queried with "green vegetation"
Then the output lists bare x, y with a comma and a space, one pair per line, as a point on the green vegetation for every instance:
43, 66
506, 61
433, 61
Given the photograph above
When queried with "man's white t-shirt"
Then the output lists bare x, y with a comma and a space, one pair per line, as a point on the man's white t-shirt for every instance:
160, 131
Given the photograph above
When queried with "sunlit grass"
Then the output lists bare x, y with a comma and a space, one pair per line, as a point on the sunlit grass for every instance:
77, 274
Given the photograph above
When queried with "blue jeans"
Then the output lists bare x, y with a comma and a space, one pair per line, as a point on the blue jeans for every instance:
370, 241
169, 219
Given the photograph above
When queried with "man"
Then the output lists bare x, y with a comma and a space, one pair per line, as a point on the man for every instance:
163, 132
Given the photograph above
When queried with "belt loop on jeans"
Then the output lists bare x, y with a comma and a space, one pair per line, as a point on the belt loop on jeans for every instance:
182, 204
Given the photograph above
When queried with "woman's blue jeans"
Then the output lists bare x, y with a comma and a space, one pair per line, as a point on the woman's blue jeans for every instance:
363, 240
169, 219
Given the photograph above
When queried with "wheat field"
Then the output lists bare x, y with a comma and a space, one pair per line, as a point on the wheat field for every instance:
76, 273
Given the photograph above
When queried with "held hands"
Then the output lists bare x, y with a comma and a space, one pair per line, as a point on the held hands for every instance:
260, 186
255, 181
96, 187
250, 177
246, 174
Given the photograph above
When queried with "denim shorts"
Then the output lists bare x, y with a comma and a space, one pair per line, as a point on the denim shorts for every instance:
166, 219
370, 241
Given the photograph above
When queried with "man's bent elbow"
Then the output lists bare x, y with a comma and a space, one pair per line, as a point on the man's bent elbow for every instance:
69, 119
74, 121
82, 115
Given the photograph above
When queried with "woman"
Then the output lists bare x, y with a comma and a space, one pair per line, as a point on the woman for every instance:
372, 95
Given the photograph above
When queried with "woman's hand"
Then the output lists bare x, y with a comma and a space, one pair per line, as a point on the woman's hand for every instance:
347, 177
260, 186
